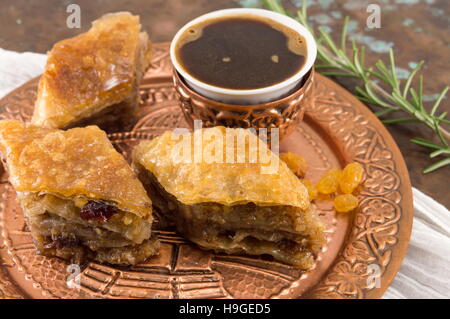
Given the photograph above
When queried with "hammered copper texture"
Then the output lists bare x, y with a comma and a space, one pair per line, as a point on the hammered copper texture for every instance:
283, 113
336, 129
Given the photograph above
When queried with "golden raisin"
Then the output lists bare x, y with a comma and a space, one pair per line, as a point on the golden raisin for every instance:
329, 182
312, 189
345, 203
351, 177
296, 163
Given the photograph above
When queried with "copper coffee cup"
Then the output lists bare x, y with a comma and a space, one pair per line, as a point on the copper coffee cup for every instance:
276, 106
281, 113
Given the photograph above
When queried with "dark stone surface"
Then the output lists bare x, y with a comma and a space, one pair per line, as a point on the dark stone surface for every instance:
416, 29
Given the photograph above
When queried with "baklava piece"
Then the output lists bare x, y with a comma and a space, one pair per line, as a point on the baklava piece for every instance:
80, 198
236, 208
93, 78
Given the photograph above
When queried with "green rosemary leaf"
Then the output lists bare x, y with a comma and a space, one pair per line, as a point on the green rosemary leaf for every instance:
344, 34
410, 78
373, 96
415, 97
438, 101
422, 142
362, 56
439, 133
358, 66
384, 112
400, 120
440, 152
437, 165
329, 42
421, 107
393, 73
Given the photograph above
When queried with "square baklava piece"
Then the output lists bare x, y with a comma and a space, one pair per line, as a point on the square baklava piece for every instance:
229, 206
80, 198
93, 78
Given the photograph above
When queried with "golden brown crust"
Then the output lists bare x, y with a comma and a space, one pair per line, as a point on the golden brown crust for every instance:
93, 70
76, 162
224, 183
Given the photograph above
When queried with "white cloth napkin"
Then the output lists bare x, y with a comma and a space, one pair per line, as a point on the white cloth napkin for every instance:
425, 272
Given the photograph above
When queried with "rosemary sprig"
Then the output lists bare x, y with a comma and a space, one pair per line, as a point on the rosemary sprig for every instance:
397, 97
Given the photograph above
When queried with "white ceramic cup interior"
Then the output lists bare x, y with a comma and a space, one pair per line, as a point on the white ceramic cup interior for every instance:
254, 96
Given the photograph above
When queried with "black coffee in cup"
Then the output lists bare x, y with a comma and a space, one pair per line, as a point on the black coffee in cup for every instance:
241, 52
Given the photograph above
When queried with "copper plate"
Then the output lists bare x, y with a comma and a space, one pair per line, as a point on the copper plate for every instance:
336, 129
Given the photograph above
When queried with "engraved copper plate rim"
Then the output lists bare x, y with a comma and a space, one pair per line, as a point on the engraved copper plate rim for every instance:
337, 129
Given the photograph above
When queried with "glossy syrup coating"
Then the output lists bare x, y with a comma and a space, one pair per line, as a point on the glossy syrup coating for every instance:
194, 182
72, 163
91, 71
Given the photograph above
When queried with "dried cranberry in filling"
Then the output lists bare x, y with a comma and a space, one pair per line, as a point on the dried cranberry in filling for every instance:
97, 211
